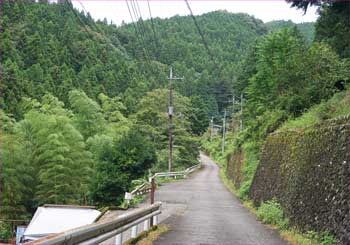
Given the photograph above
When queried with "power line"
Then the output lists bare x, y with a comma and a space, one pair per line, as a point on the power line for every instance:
78, 17
138, 30
154, 30
139, 15
201, 34
139, 21
132, 19
142, 23
98, 29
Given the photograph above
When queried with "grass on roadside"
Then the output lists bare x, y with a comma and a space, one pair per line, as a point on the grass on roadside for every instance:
271, 213
148, 237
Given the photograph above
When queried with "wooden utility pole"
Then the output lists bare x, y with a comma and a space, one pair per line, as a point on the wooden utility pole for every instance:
211, 128
241, 117
171, 114
233, 113
223, 133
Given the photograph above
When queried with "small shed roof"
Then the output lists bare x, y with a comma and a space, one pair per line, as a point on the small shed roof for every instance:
52, 219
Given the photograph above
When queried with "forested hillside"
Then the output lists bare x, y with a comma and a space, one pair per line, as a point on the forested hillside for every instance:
84, 105
282, 78
84, 102
291, 84
307, 28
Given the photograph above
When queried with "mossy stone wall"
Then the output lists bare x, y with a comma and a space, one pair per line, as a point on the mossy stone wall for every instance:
308, 171
234, 167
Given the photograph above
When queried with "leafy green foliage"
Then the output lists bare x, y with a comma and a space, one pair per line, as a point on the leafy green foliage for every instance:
250, 163
152, 120
332, 26
271, 212
46, 158
337, 106
85, 109
88, 115
306, 28
321, 238
5, 231
128, 158
287, 80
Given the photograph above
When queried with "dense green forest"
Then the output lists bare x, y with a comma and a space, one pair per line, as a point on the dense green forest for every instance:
84, 105
84, 102
307, 29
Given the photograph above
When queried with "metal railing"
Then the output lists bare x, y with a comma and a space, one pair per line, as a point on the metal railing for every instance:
169, 174
141, 189
100, 231
178, 173
144, 189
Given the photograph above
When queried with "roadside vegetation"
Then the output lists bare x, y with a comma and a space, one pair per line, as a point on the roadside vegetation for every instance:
288, 83
148, 237
84, 103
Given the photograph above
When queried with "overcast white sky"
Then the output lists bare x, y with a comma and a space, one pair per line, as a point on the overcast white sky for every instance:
266, 10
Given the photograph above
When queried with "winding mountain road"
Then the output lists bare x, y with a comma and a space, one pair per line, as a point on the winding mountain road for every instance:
201, 210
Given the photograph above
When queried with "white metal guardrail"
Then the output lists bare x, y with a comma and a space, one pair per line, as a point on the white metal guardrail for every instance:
169, 174
143, 189
100, 231
178, 173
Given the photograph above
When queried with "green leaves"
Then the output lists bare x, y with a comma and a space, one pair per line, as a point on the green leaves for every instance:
271, 212
88, 113
152, 118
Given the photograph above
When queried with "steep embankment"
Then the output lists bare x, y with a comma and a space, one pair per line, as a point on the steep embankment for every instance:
305, 166
307, 170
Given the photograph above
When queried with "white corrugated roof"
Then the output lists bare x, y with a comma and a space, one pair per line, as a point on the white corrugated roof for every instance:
49, 220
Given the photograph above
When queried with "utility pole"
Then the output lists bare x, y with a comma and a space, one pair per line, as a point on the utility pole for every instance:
233, 113
211, 128
241, 117
223, 133
171, 114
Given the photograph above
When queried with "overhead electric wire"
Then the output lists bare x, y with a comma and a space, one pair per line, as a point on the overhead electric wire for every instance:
157, 44
137, 12
78, 17
201, 34
133, 22
141, 31
132, 19
98, 29
138, 32
147, 35
139, 15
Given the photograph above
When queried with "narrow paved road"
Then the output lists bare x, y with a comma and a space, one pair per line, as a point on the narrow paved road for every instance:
208, 213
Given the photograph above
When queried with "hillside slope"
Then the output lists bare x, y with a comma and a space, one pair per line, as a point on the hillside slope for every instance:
53, 48
306, 28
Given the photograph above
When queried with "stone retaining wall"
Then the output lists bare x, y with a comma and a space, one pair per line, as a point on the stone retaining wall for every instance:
308, 171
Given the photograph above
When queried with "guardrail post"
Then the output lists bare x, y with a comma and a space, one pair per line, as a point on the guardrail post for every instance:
155, 220
134, 231
153, 189
119, 239
146, 225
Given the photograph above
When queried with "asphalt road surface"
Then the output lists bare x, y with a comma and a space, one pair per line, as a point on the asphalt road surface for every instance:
200, 210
